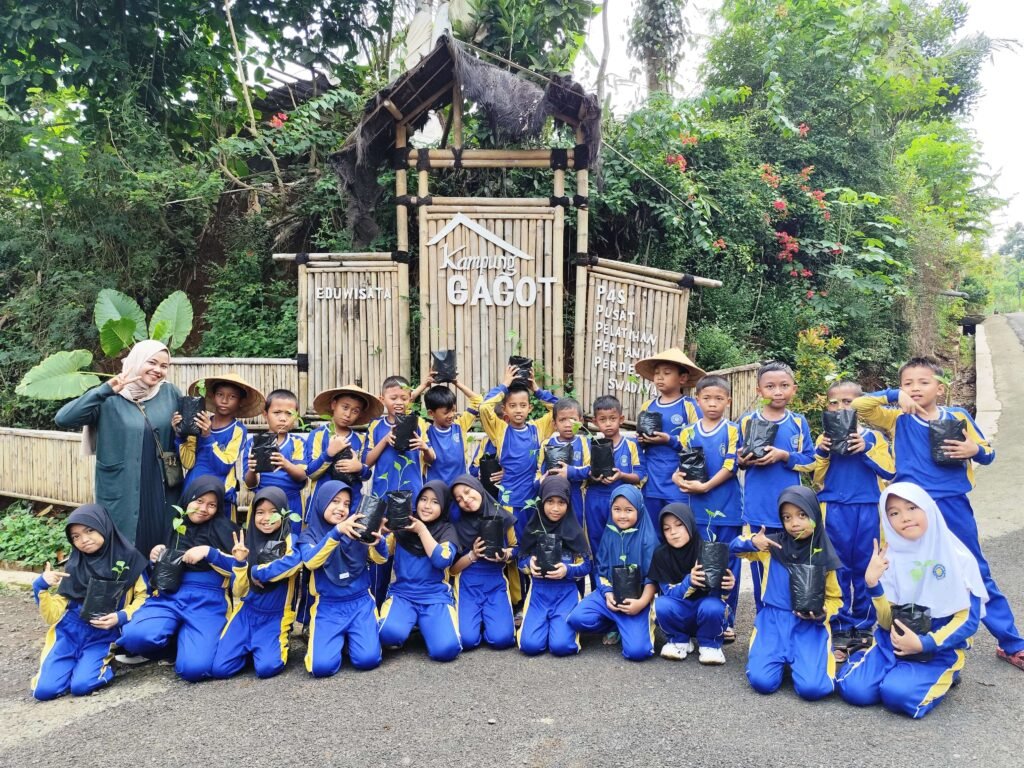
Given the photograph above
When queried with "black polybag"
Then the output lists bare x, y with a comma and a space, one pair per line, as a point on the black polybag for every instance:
714, 559
648, 422
442, 365
838, 426
602, 457
693, 465
626, 583
758, 437
807, 588
372, 509
941, 430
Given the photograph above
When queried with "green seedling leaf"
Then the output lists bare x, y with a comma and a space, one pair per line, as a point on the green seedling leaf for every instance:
114, 305
176, 312
117, 335
59, 377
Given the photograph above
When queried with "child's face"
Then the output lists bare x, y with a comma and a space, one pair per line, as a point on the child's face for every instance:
676, 534
555, 508
517, 408
922, 386
609, 422
395, 399
203, 508
795, 521
85, 539
281, 415
669, 379
713, 402
442, 417
564, 423
428, 508
346, 410
338, 509
623, 513
154, 370
226, 400
906, 518
841, 398
265, 510
778, 388
468, 499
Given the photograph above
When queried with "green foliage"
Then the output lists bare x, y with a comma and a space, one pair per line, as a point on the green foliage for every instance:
31, 540
816, 370
59, 377
717, 348
657, 33
171, 322
113, 305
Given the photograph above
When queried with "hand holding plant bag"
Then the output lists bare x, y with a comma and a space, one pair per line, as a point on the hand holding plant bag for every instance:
442, 366
759, 435
808, 556
839, 427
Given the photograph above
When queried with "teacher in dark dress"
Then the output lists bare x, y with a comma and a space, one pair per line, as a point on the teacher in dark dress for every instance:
127, 425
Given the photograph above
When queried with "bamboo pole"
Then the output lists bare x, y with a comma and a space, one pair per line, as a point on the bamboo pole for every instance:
660, 274
422, 190
456, 118
490, 154
401, 189
301, 340
508, 162
511, 202
617, 275
336, 256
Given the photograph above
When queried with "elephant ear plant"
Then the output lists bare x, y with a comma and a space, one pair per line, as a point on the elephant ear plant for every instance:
120, 322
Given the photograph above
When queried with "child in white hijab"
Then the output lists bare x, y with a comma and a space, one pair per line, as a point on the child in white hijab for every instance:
921, 567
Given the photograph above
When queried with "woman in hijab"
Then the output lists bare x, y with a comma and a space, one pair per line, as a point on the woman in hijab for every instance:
686, 608
798, 563
922, 572
343, 616
625, 592
195, 609
266, 575
421, 594
126, 424
486, 532
103, 584
556, 555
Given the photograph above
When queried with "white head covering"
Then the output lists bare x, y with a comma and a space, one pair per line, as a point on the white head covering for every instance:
138, 391
937, 570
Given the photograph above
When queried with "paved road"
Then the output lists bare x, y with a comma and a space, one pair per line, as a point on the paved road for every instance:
502, 709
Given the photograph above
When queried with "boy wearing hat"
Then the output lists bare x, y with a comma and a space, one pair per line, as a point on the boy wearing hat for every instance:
216, 450
670, 371
346, 407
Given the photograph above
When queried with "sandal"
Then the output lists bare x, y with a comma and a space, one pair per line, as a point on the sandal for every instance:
1017, 659
840, 655
729, 635
612, 638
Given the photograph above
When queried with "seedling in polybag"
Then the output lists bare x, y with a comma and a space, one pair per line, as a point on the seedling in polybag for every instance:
119, 568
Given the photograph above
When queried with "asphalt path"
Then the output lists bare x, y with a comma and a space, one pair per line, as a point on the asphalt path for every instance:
491, 708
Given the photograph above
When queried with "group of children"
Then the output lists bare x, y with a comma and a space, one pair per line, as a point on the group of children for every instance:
363, 536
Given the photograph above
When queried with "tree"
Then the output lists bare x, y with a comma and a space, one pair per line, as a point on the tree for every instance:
657, 34
1013, 242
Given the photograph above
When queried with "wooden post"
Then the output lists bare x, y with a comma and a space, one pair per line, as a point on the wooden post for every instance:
557, 249
401, 189
422, 190
301, 347
456, 120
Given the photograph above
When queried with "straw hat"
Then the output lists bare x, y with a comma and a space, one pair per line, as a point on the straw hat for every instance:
374, 407
673, 355
251, 405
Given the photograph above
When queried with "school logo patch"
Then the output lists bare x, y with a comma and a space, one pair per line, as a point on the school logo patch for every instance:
794, 442
677, 418
721, 450
939, 571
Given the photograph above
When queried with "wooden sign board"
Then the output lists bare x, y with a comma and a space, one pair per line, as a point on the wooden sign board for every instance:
491, 286
625, 316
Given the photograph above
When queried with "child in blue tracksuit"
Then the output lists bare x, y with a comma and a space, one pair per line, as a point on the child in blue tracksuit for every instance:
393, 470
266, 574
669, 371
628, 542
686, 609
783, 637
553, 593
343, 616
948, 484
215, 452
630, 468
77, 650
717, 502
197, 610
566, 414
518, 440
791, 453
850, 484
444, 452
421, 594
289, 460
921, 564
481, 583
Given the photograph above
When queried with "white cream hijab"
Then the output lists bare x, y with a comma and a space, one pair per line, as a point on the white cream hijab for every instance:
137, 391
937, 570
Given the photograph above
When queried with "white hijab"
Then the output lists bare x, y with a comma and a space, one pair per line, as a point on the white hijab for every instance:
937, 570
137, 391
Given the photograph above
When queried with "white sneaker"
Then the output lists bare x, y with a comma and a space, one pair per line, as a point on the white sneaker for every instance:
124, 658
676, 651
712, 656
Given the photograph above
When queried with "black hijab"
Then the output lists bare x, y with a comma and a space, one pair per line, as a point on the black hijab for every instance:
568, 529
215, 532
348, 560
815, 549
441, 528
670, 565
256, 541
81, 568
468, 525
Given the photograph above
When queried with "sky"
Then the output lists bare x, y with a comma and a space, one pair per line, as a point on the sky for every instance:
997, 120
